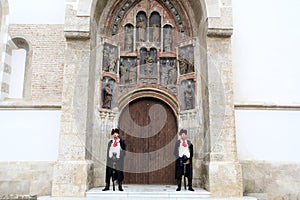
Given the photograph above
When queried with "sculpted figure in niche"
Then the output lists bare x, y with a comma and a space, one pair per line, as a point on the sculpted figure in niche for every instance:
128, 40
148, 67
188, 97
168, 40
141, 25
132, 73
190, 60
172, 78
106, 59
183, 67
156, 32
107, 96
112, 61
123, 73
164, 74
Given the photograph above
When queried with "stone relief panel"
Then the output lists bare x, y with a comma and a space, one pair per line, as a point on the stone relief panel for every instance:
148, 66
187, 94
108, 93
128, 70
152, 51
110, 58
168, 71
186, 59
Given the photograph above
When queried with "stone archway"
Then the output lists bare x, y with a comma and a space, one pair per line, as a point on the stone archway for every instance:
217, 168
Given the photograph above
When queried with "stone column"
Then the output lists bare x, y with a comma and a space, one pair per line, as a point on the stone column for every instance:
224, 172
72, 175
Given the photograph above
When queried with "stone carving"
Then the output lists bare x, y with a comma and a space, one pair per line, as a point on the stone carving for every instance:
107, 94
128, 38
188, 97
167, 3
187, 94
156, 32
168, 40
148, 65
132, 73
172, 74
164, 72
168, 72
141, 27
186, 59
109, 58
128, 71
123, 73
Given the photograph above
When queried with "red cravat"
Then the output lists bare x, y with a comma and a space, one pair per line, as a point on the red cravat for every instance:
115, 142
183, 142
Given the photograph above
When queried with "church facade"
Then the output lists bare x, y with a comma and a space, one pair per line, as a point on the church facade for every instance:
148, 67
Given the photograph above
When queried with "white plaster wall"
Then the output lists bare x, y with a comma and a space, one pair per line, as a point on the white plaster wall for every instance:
266, 67
266, 46
268, 135
36, 11
29, 135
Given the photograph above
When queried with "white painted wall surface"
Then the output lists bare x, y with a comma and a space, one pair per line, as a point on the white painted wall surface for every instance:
36, 11
266, 51
268, 135
29, 135
266, 69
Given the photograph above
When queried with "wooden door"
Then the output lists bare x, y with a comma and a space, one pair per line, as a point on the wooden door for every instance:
148, 127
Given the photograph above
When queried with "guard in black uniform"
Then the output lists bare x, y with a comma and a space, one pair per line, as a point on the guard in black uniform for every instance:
184, 160
115, 160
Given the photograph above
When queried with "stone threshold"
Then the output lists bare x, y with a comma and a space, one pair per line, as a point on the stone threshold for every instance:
145, 192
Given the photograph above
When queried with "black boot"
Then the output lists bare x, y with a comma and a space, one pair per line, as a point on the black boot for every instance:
179, 185
190, 185
120, 186
106, 187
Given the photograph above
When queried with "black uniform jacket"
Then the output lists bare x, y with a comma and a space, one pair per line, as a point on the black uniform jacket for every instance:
179, 171
114, 167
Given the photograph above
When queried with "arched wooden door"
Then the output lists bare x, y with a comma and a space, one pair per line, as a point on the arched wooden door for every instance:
149, 128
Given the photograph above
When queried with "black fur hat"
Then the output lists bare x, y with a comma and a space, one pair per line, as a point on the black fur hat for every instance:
183, 131
115, 130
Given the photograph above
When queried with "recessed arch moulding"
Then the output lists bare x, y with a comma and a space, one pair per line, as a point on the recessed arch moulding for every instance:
94, 27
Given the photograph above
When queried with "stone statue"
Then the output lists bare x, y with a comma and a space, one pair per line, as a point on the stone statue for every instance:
128, 40
141, 25
172, 74
190, 60
132, 73
183, 67
112, 61
164, 74
106, 59
148, 66
188, 97
107, 96
156, 32
123, 73
168, 40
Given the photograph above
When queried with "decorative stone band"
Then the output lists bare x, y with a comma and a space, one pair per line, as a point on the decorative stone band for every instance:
219, 32
77, 34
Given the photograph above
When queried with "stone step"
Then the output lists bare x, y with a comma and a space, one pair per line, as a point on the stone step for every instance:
148, 191
145, 192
